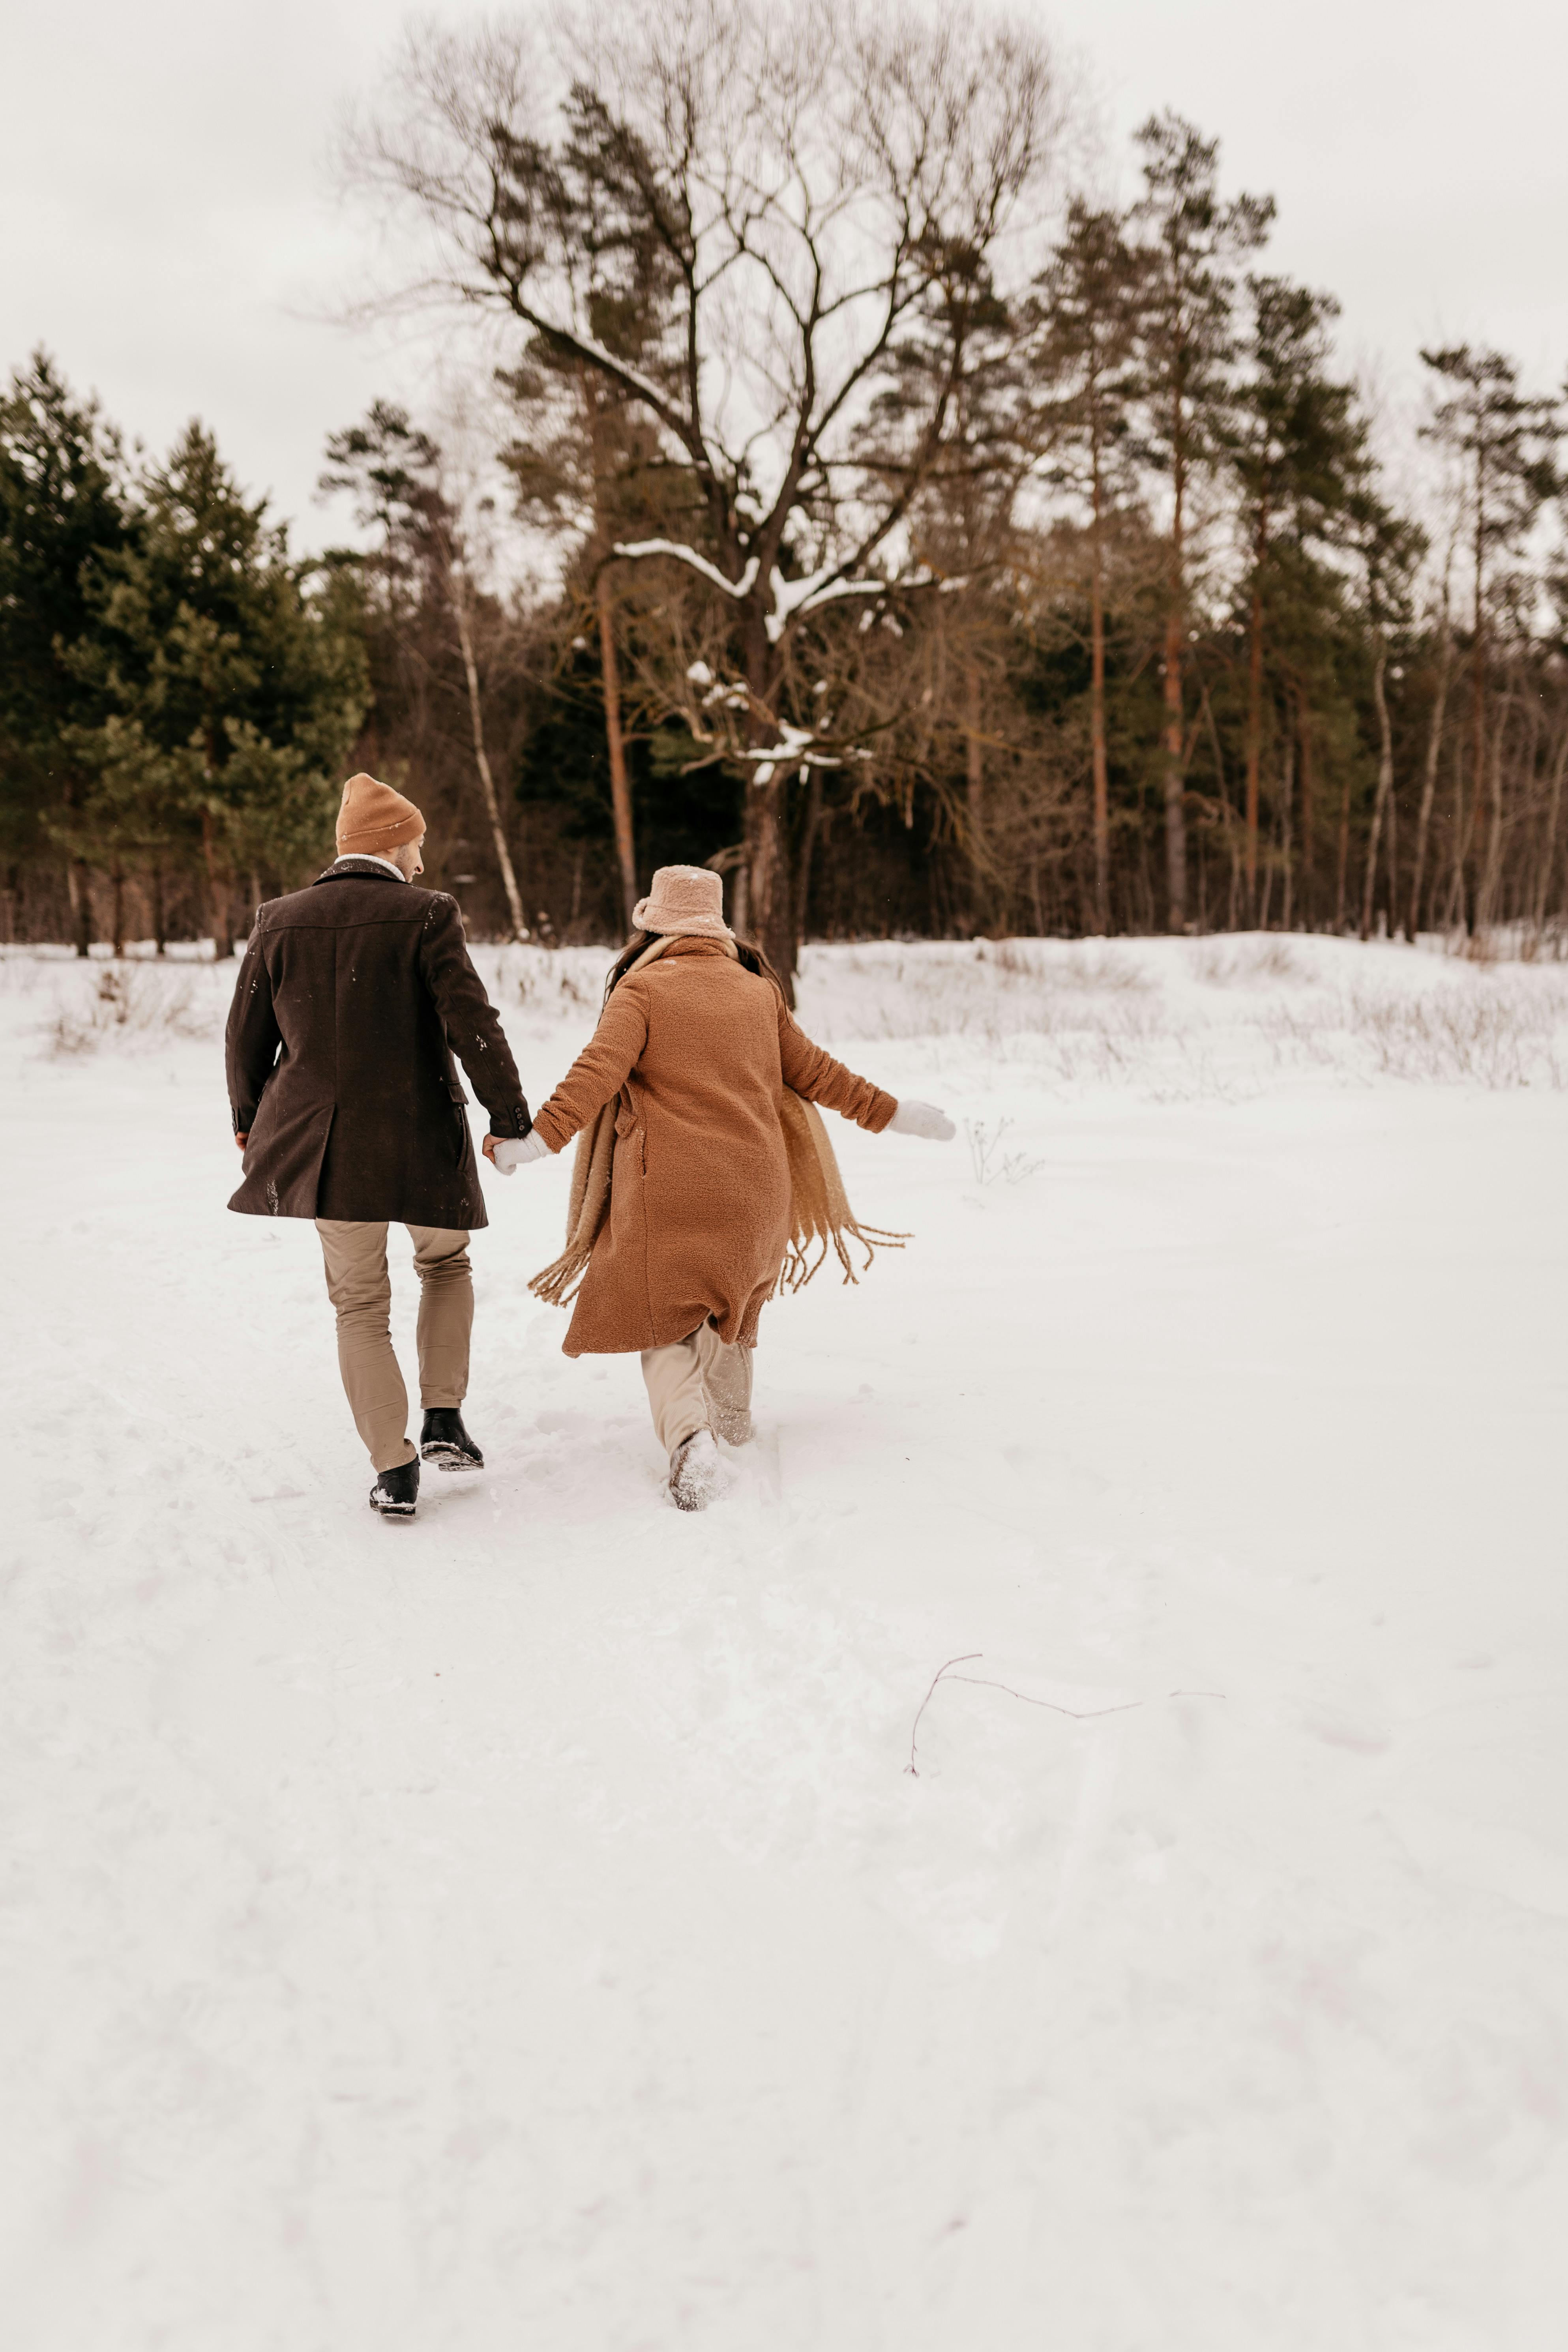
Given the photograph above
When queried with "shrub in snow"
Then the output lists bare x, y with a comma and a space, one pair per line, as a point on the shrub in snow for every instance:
1223, 964
126, 1002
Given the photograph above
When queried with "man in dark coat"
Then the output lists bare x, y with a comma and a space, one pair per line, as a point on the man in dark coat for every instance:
351, 999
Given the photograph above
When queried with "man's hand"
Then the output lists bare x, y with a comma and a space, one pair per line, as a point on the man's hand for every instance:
242, 1141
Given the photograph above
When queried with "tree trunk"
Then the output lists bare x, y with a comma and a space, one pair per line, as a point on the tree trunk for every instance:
1491, 865
1254, 724
807, 844
160, 916
1175, 630
81, 896
1287, 823
1097, 715
620, 792
1478, 687
1384, 789
770, 901
1227, 817
1308, 893
773, 922
1429, 777
116, 909
1454, 917
975, 786
1343, 861
217, 890
1175, 824
1391, 836
458, 597
1549, 848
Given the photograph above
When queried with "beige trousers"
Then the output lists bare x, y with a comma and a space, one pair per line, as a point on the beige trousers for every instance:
700, 1382
361, 1289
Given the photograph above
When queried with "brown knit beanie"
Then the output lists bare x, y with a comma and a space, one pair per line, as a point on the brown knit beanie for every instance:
375, 819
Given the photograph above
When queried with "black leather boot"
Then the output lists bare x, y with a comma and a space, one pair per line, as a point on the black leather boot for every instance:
395, 1492
445, 1441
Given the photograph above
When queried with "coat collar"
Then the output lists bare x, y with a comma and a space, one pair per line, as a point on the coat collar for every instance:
359, 869
693, 943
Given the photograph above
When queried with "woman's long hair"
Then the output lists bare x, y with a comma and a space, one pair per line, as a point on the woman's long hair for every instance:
751, 957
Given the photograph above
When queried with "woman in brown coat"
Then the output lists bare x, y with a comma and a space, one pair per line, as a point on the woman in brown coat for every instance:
698, 1044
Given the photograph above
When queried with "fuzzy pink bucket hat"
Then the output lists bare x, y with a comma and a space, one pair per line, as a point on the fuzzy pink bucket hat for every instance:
687, 902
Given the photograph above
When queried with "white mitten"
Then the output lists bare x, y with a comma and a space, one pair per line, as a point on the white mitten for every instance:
922, 1119
512, 1154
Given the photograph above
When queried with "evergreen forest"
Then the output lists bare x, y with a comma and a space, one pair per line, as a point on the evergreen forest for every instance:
841, 504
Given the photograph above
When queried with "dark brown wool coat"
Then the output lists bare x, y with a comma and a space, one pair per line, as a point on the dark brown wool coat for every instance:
700, 1051
352, 997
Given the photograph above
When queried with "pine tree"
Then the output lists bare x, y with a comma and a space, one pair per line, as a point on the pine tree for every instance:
233, 681
1297, 449
1187, 345
587, 462
1505, 441
1089, 306
65, 514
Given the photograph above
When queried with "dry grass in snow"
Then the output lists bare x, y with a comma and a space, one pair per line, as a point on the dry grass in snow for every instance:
1169, 1020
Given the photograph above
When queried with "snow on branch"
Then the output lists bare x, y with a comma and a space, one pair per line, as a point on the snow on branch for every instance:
796, 747
636, 549
809, 595
792, 748
790, 597
818, 588
633, 378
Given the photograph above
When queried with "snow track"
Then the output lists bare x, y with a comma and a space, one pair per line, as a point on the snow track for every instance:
519, 1927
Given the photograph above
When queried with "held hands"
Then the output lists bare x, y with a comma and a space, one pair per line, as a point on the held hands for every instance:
923, 1120
504, 1152
507, 1153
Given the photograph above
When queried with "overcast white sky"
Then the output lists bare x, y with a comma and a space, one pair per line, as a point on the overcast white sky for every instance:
167, 224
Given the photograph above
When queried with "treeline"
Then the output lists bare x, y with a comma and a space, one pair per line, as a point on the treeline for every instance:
176, 693
832, 523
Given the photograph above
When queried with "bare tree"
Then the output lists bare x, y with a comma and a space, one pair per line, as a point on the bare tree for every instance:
822, 185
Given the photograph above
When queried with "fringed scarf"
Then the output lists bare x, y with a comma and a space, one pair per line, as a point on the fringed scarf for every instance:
819, 1205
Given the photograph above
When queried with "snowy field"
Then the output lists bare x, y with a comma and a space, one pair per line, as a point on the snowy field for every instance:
1205, 1987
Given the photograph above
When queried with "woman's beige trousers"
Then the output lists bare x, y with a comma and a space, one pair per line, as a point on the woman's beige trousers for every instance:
361, 1289
700, 1382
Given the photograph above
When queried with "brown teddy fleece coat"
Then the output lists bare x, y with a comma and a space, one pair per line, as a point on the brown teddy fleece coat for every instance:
700, 1051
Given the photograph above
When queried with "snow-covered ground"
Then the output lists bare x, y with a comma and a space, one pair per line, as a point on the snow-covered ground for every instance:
1205, 1989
